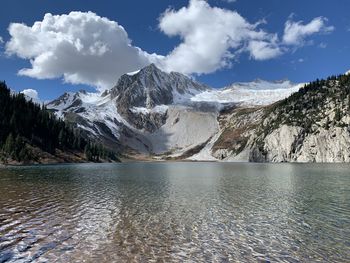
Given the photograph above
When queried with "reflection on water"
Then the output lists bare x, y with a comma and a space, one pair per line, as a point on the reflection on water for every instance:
175, 212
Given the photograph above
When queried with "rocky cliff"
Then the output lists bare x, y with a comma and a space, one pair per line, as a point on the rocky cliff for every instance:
293, 144
312, 125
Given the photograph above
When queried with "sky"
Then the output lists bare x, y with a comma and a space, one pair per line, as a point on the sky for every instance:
50, 47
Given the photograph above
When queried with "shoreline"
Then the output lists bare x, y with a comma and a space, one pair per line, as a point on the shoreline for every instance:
130, 161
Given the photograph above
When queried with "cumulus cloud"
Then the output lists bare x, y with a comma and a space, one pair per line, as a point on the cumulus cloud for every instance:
83, 48
262, 50
212, 37
296, 32
1, 40
32, 94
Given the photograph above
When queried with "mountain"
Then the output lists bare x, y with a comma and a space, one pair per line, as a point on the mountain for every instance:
145, 112
150, 87
31, 134
151, 114
162, 115
311, 125
148, 91
258, 92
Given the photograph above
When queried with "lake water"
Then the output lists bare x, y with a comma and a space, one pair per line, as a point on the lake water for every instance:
175, 212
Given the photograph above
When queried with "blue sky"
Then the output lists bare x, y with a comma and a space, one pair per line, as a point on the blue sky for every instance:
316, 55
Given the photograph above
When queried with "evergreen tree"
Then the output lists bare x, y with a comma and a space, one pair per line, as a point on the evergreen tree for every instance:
88, 153
9, 145
25, 154
61, 137
327, 123
337, 116
24, 123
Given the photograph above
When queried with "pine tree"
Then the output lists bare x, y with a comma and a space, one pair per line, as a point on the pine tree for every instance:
88, 153
61, 138
337, 116
9, 145
19, 144
327, 123
25, 154
24, 123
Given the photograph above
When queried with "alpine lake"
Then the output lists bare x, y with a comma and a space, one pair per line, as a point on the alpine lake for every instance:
175, 212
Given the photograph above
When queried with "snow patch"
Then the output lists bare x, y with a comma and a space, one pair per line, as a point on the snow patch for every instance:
255, 93
157, 109
133, 73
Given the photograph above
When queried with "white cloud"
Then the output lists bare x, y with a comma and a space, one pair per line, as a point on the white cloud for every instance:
322, 45
1, 40
31, 93
83, 48
296, 32
262, 50
212, 37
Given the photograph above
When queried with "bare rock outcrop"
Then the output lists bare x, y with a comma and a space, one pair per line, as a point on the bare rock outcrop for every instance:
292, 144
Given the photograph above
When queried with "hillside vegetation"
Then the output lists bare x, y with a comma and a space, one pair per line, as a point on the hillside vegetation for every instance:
312, 125
322, 103
28, 133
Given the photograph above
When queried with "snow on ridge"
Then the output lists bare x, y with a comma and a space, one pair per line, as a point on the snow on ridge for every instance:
256, 93
145, 111
94, 98
185, 97
260, 84
93, 108
133, 73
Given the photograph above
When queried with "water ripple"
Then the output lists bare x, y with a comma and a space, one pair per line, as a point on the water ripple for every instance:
175, 212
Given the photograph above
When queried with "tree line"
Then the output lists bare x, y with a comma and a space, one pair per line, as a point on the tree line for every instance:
24, 124
312, 104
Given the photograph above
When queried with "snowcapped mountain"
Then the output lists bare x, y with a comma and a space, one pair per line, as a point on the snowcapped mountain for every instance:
258, 92
150, 87
148, 92
153, 112
131, 112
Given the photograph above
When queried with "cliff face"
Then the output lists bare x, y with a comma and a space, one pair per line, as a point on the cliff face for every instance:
293, 144
312, 125
237, 133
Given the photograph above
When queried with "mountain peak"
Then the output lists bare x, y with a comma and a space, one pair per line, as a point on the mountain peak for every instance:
147, 69
151, 66
151, 86
151, 71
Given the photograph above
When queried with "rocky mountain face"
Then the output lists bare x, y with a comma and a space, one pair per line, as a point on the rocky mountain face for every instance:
312, 125
148, 89
168, 115
143, 113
